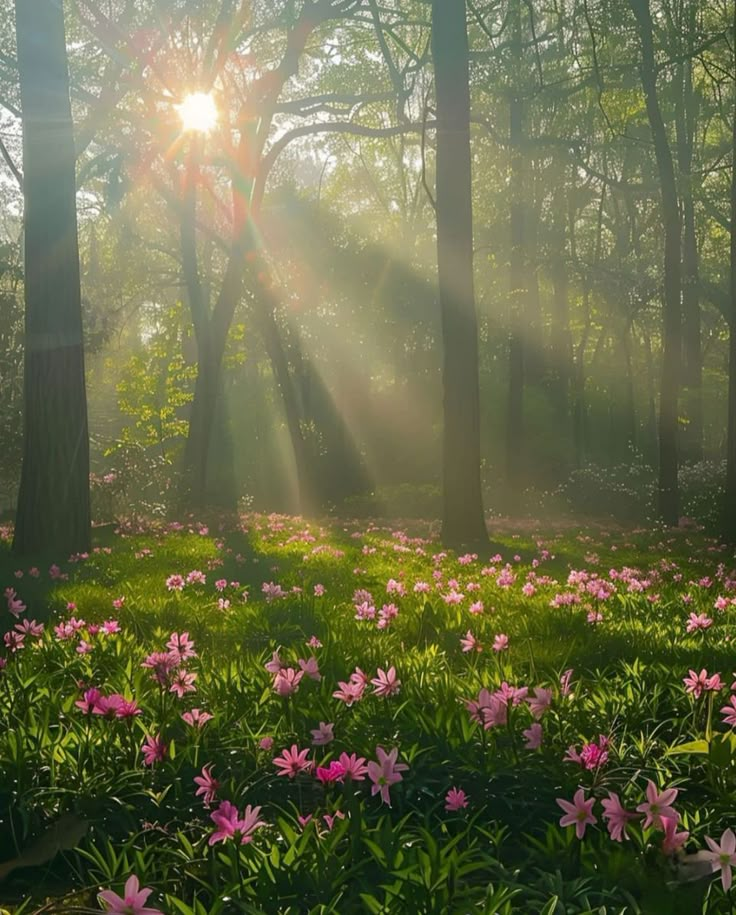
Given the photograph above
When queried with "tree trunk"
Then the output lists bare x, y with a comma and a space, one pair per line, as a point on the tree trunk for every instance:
209, 433
687, 106
517, 292
462, 520
730, 506
560, 338
53, 501
671, 323
308, 485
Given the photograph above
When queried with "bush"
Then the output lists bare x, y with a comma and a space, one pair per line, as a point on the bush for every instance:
702, 492
624, 492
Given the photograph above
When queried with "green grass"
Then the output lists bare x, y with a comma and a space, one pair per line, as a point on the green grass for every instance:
504, 853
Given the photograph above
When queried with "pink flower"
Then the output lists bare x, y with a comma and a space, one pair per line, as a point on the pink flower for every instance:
310, 668
175, 583
183, 682
83, 647
698, 621
330, 819
385, 773
332, 773
387, 613
14, 641
386, 683
181, 646
286, 682
511, 694
500, 642
153, 750
208, 785
349, 692
162, 663
232, 826
107, 706
127, 708
319, 590
353, 766
272, 591
470, 643
729, 712
592, 755
616, 816
673, 840
658, 805
362, 679
540, 701
722, 856
715, 683
293, 761
323, 734
533, 736
696, 683
304, 821
565, 682
487, 710
197, 718
455, 799
266, 743
133, 901
89, 701
275, 664
579, 813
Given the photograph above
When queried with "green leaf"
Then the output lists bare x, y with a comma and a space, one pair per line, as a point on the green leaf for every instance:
700, 747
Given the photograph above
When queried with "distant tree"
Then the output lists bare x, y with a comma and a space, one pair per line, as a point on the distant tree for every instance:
672, 309
53, 502
462, 514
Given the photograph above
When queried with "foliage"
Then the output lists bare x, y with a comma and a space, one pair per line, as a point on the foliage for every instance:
156, 384
11, 367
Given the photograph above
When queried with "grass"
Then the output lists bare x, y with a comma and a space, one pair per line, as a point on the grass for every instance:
504, 853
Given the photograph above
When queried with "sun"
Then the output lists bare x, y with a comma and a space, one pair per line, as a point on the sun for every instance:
198, 112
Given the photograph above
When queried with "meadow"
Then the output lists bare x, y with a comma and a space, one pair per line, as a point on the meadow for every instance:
284, 717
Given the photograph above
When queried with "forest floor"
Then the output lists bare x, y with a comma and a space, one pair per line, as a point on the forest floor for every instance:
412, 724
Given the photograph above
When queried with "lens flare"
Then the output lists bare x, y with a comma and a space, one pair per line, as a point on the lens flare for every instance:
198, 112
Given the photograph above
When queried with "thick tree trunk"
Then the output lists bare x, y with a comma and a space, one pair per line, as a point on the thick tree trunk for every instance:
672, 311
53, 501
462, 519
730, 506
517, 292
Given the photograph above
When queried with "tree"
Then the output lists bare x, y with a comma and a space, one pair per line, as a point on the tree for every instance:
462, 512
672, 309
730, 507
53, 503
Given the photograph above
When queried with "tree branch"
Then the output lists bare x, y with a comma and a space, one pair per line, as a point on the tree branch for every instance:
360, 130
11, 165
